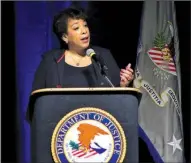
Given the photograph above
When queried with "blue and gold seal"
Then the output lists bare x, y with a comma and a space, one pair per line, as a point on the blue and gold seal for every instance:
88, 135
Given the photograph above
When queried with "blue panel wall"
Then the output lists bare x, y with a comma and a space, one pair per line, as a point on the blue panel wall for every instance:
34, 36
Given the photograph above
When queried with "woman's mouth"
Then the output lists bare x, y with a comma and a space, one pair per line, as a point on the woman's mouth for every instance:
85, 39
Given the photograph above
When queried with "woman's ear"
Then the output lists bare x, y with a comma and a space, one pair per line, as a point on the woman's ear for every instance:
65, 38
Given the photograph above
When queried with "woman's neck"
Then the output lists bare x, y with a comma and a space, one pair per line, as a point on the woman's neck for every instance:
77, 52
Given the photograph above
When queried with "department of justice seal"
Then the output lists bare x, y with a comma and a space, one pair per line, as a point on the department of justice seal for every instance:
88, 135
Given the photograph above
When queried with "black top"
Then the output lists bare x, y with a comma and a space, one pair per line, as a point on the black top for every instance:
79, 76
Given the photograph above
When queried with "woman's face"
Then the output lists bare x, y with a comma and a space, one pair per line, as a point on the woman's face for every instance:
78, 35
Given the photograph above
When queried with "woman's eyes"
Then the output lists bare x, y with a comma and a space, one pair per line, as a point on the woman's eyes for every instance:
76, 28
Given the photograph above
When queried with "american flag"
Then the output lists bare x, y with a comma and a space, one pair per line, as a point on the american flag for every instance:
157, 57
82, 154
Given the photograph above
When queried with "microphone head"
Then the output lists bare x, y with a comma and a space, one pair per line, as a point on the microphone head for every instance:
90, 52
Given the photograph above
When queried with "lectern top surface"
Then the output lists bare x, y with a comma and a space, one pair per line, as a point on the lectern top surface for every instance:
85, 89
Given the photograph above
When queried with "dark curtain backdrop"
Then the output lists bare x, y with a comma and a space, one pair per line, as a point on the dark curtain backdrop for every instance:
114, 25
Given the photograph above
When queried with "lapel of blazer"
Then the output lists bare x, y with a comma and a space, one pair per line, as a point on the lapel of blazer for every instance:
59, 58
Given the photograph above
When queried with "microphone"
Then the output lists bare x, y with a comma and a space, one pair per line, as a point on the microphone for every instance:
91, 53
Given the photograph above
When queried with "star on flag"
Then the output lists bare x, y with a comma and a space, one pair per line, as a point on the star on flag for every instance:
175, 144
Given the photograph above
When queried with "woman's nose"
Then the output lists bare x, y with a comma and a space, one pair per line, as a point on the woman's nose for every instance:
84, 30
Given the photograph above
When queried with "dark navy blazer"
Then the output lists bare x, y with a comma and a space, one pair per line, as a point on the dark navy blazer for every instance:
49, 73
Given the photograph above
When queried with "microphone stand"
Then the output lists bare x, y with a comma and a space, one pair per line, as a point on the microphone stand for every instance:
103, 69
110, 83
103, 72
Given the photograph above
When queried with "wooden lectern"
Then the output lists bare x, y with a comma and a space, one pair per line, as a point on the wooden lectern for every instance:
84, 125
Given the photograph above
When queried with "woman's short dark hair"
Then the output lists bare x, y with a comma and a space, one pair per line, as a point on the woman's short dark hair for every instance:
60, 22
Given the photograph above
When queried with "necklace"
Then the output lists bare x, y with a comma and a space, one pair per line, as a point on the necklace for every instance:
77, 62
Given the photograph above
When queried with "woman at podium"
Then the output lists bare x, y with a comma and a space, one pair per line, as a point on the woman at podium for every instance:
78, 64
